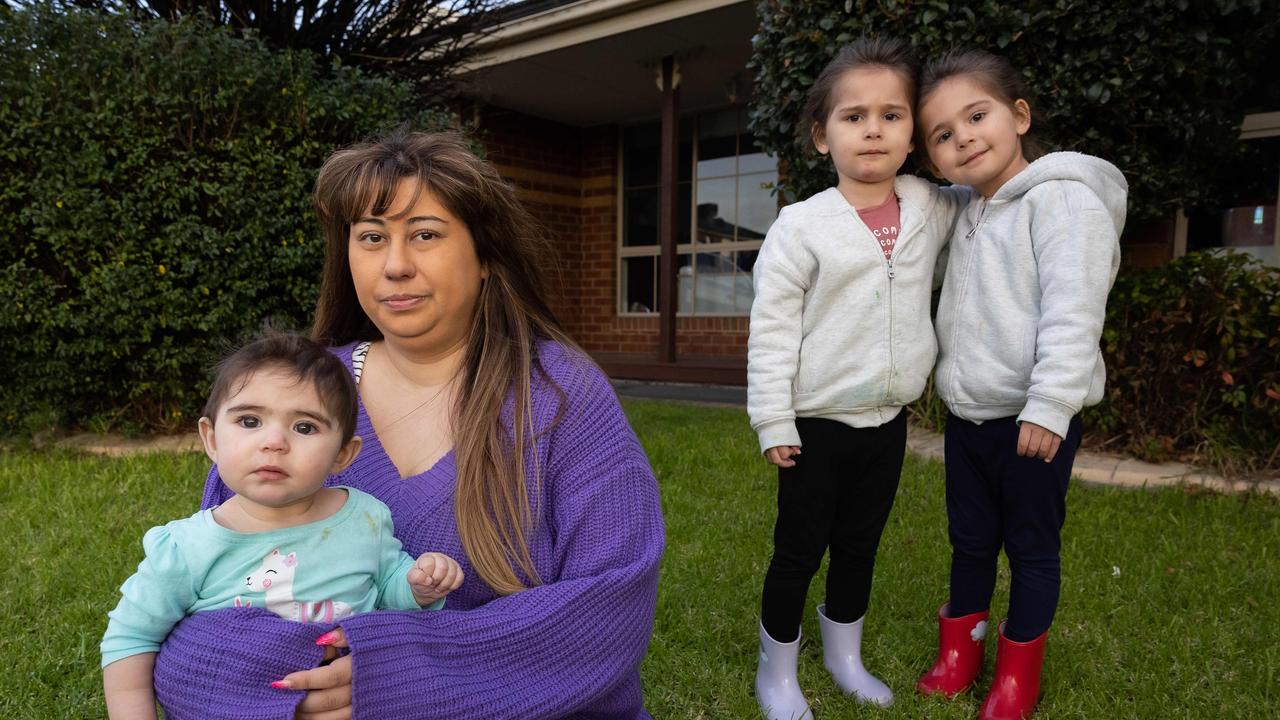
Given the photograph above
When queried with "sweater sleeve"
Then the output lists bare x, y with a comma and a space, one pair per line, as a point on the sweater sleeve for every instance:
219, 665
1076, 260
566, 645
781, 278
951, 200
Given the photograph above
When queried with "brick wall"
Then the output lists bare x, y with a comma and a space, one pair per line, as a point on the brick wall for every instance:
568, 178
544, 161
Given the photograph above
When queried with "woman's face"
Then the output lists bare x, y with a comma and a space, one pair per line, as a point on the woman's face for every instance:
415, 270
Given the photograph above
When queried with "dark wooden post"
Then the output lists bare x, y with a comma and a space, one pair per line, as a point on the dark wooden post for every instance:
668, 212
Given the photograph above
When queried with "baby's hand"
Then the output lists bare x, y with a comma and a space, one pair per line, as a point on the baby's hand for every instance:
433, 576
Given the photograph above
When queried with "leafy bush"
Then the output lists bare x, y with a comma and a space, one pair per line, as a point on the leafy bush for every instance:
1193, 365
155, 186
1193, 362
1157, 87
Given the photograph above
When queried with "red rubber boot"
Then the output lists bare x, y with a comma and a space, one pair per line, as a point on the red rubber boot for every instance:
1016, 687
959, 653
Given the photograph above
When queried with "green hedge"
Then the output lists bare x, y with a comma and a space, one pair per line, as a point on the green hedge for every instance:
1193, 362
1193, 365
1157, 87
154, 202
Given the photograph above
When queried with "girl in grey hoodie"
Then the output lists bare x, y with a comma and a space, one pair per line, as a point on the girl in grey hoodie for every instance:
1031, 262
841, 340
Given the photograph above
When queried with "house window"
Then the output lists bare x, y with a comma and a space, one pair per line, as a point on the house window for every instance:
726, 205
1247, 220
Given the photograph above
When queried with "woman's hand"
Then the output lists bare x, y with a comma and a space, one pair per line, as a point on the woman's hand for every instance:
782, 455
328, 686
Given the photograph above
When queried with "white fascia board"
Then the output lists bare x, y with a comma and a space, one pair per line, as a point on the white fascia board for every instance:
579, 23
1260, 125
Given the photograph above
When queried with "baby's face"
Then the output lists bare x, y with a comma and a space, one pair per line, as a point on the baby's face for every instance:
273, 440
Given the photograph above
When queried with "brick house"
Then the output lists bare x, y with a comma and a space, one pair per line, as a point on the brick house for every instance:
574, 101
579, 101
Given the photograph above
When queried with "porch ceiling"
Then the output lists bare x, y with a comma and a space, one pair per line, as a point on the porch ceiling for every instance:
610, 76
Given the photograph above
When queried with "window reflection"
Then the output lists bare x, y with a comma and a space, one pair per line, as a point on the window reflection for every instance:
639, 286
1245, 220
727, 201
640, 208
717, 209
757, 206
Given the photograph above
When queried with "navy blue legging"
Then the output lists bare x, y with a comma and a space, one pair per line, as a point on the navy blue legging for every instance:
838, 497
996, 498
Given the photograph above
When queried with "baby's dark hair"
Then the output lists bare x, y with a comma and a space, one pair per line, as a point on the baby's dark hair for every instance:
994, 73
308, 360
888, 53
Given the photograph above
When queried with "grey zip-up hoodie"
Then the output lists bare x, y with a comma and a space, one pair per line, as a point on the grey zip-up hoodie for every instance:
1025, 295
838, 331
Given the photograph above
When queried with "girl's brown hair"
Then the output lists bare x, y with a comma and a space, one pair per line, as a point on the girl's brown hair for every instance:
884, 52
994, 73
493, 508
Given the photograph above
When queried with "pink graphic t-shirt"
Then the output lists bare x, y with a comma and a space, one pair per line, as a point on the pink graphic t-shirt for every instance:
883, 222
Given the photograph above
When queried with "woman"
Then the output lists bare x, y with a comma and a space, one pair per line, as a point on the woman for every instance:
491, 437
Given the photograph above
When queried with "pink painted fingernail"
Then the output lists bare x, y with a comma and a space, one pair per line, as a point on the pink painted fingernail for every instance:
281, 685
328, 638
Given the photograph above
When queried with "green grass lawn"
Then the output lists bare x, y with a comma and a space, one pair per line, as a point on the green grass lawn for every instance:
1169, 606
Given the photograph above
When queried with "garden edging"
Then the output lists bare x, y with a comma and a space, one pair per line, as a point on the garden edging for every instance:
1090, 467
1101, 469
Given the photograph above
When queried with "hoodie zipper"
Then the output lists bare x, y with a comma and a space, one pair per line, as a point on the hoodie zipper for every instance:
888, 388
982, 211
889, 271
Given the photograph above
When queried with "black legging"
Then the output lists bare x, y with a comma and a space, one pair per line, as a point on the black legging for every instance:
838, 495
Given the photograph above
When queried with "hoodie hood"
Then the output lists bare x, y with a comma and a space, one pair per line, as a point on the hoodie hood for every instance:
1104, 179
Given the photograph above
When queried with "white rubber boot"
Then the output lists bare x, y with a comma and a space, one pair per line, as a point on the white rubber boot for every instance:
777, 690
842, 654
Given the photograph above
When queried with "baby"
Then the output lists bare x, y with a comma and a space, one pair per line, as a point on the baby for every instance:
279, 421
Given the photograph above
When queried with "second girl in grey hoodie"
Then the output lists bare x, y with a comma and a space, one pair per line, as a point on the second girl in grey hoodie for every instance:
1019, 323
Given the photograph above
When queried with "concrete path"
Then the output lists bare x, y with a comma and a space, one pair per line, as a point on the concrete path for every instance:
1103, 469
1090, 467
721, 395
120, 446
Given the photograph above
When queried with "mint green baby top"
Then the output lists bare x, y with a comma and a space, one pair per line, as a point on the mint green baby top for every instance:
347, 563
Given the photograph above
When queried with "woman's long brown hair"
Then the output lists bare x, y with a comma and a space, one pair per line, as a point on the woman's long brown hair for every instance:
494, 511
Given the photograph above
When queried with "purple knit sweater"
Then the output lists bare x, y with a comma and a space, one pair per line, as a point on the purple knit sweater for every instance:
568, 648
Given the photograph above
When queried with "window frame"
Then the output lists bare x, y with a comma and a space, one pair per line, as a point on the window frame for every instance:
690, 249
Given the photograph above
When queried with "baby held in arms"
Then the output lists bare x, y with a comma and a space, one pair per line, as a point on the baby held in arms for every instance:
280, 420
